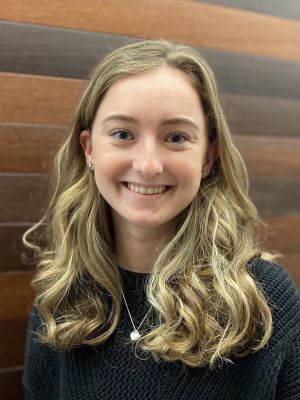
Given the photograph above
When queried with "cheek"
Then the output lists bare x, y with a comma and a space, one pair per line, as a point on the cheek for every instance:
108, 172
189, 177
188, 169
106, 162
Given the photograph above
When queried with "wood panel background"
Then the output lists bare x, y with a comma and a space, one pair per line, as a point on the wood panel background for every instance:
48, 50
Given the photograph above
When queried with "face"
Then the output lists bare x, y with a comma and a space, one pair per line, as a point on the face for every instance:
149, 130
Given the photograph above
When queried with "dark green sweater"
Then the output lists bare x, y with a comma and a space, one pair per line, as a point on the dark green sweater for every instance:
116, 371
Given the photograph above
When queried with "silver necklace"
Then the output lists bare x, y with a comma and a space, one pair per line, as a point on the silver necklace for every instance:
135, 334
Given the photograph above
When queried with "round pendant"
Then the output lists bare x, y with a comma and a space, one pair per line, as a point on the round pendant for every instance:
134, 335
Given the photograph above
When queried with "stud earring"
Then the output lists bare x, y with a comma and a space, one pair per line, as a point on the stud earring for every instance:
204, 173
90, 166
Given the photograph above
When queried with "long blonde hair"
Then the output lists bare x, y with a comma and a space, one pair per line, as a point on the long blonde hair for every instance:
208, 306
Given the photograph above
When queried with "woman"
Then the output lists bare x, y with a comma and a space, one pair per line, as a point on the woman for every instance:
150, 281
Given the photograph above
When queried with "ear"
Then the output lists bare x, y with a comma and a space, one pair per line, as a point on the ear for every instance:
212, 154
86, 144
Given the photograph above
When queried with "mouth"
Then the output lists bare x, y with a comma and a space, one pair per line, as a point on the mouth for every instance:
151, 191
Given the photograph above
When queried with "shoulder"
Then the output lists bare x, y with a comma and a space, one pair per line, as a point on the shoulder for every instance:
35, 325
40, 366
274, 279
35, 349
281, 293
35, 320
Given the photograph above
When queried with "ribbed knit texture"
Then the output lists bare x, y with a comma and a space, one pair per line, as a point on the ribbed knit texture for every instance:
115, 370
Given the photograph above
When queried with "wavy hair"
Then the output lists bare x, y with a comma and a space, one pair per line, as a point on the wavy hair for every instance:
207, 304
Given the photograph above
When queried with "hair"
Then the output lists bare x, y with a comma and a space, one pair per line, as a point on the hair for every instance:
208, 306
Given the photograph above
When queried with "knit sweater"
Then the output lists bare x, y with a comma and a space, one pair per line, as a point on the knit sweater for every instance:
116, 370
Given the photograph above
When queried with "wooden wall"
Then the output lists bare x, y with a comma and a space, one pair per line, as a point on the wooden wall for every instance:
47, 51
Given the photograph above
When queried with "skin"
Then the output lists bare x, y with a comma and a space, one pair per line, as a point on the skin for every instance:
150, 153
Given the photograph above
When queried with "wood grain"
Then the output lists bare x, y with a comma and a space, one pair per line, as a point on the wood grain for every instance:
286, 9
11, 247
73, 53
16, 295
258, 34
245, 74
10, 384
12, 336
270, 155
283, 238
22, 197
284, 233
261, 115
35, 99
48, 100
275, 195
61, 52
29, 148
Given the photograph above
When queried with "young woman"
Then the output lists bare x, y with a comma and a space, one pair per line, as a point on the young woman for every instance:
150, 282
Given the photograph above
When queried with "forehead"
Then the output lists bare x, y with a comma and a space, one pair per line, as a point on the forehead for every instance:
164, 89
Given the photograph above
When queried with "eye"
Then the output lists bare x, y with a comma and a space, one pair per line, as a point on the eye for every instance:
122, 134
178, 135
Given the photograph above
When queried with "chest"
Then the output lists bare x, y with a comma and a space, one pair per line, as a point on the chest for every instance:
121, 371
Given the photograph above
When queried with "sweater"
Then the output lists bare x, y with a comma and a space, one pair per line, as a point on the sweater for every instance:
116, 369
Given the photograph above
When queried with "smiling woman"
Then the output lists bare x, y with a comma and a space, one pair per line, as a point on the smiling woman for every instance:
148, 256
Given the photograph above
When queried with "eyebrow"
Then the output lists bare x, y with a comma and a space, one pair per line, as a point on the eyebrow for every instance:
168, 121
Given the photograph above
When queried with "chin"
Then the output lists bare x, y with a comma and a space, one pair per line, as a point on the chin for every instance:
147, 223
150, 222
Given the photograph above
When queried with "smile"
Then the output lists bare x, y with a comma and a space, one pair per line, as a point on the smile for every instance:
146, 190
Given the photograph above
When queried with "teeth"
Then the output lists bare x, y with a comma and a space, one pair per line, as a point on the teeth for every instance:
146, 190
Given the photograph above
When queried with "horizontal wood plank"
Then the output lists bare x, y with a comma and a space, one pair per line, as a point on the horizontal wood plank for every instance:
269, 155
73, 53
35, 99
244, 74
29, 148
22, 197
11, 385
12, 336
285, 9
259, 34
260, 115
275, 195
283, 238
283, 234
16, 295
48, 100
60, 52
11, 247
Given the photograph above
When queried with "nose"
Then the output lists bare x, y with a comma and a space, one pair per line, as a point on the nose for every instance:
147, 160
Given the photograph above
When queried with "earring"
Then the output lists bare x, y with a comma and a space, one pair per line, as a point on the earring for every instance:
204, 173
90, 166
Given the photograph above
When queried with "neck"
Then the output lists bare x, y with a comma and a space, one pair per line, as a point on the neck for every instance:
138, 250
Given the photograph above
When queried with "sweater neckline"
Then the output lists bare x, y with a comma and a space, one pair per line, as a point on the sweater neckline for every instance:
132, 273
132, 280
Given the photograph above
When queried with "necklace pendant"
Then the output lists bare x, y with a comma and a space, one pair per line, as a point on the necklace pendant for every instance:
135, 335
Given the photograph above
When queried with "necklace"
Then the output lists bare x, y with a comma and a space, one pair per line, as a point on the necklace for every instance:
135, 334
